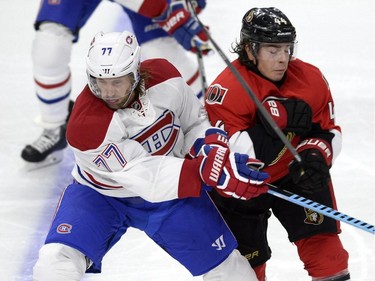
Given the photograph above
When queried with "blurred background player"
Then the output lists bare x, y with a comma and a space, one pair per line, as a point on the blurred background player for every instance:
157, 43
298, 97
57, 27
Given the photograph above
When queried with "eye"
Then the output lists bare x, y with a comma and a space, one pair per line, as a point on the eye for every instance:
288, 49
273, 50
100, 81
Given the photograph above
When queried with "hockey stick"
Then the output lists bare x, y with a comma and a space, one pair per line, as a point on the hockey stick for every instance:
243, 83
322, 209
201, 70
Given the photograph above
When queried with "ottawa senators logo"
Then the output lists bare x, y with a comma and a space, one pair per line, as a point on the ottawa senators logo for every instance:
249, 16
216, 94
312, 217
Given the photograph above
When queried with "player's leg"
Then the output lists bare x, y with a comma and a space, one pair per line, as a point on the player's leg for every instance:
316, 237
55, 257
234, 267
51, 56
324, 257
80, 235
57, 26
195, 234
248, 220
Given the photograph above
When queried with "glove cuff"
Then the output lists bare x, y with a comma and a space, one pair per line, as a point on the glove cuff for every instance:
322, 146
190, 182
216, 137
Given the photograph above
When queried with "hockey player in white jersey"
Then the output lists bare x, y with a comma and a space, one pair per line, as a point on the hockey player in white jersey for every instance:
57, 25
130, 131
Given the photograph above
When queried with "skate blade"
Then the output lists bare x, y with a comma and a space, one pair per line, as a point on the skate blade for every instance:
52, 159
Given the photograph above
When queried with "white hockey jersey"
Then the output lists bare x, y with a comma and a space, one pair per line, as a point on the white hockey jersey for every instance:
140, 150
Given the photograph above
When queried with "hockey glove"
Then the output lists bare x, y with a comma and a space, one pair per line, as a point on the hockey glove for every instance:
198, 5
214, 137
178, 22
312, 173
290, 115
231, 173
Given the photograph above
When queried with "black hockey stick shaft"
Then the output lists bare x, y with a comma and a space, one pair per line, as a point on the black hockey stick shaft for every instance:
201, 69
202, 72
255, 99
320, 208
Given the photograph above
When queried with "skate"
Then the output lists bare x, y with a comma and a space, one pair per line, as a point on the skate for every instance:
46, 150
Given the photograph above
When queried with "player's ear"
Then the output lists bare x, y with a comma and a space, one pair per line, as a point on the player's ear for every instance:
250, 54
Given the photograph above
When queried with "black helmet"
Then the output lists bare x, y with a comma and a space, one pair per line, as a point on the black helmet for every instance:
267, 25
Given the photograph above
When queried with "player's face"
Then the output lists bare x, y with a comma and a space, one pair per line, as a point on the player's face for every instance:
273, 59
116, 92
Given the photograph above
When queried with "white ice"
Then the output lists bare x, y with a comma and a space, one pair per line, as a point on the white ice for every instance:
336, 35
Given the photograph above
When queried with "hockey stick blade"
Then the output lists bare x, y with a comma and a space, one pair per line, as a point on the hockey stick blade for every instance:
322, 209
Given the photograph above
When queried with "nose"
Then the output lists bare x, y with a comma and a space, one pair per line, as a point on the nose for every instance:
283, 56
108, 91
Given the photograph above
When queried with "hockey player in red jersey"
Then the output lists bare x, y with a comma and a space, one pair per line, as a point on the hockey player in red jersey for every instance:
130, 130
298, 98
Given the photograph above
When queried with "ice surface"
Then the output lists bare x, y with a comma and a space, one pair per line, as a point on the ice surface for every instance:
336, 35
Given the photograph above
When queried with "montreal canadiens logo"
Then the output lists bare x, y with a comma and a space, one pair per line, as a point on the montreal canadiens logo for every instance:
64, 228
54, 2
161, 136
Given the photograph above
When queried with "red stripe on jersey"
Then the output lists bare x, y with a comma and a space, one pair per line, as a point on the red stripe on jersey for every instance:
193, 78
52, 86
97, 183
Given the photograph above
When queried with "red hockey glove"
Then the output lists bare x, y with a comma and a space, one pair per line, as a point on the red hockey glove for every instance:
290, 115
178, 22
231, 173
214, 137
198, 5
312, 173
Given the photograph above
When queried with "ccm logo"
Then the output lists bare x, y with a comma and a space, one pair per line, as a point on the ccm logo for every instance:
273, 108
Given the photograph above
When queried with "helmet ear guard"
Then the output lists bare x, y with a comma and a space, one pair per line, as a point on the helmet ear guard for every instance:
112, 55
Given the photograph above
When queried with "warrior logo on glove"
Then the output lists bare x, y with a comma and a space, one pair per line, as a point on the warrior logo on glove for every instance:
232, 174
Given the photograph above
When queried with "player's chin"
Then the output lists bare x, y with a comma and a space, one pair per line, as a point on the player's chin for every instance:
277, 75
114, 104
